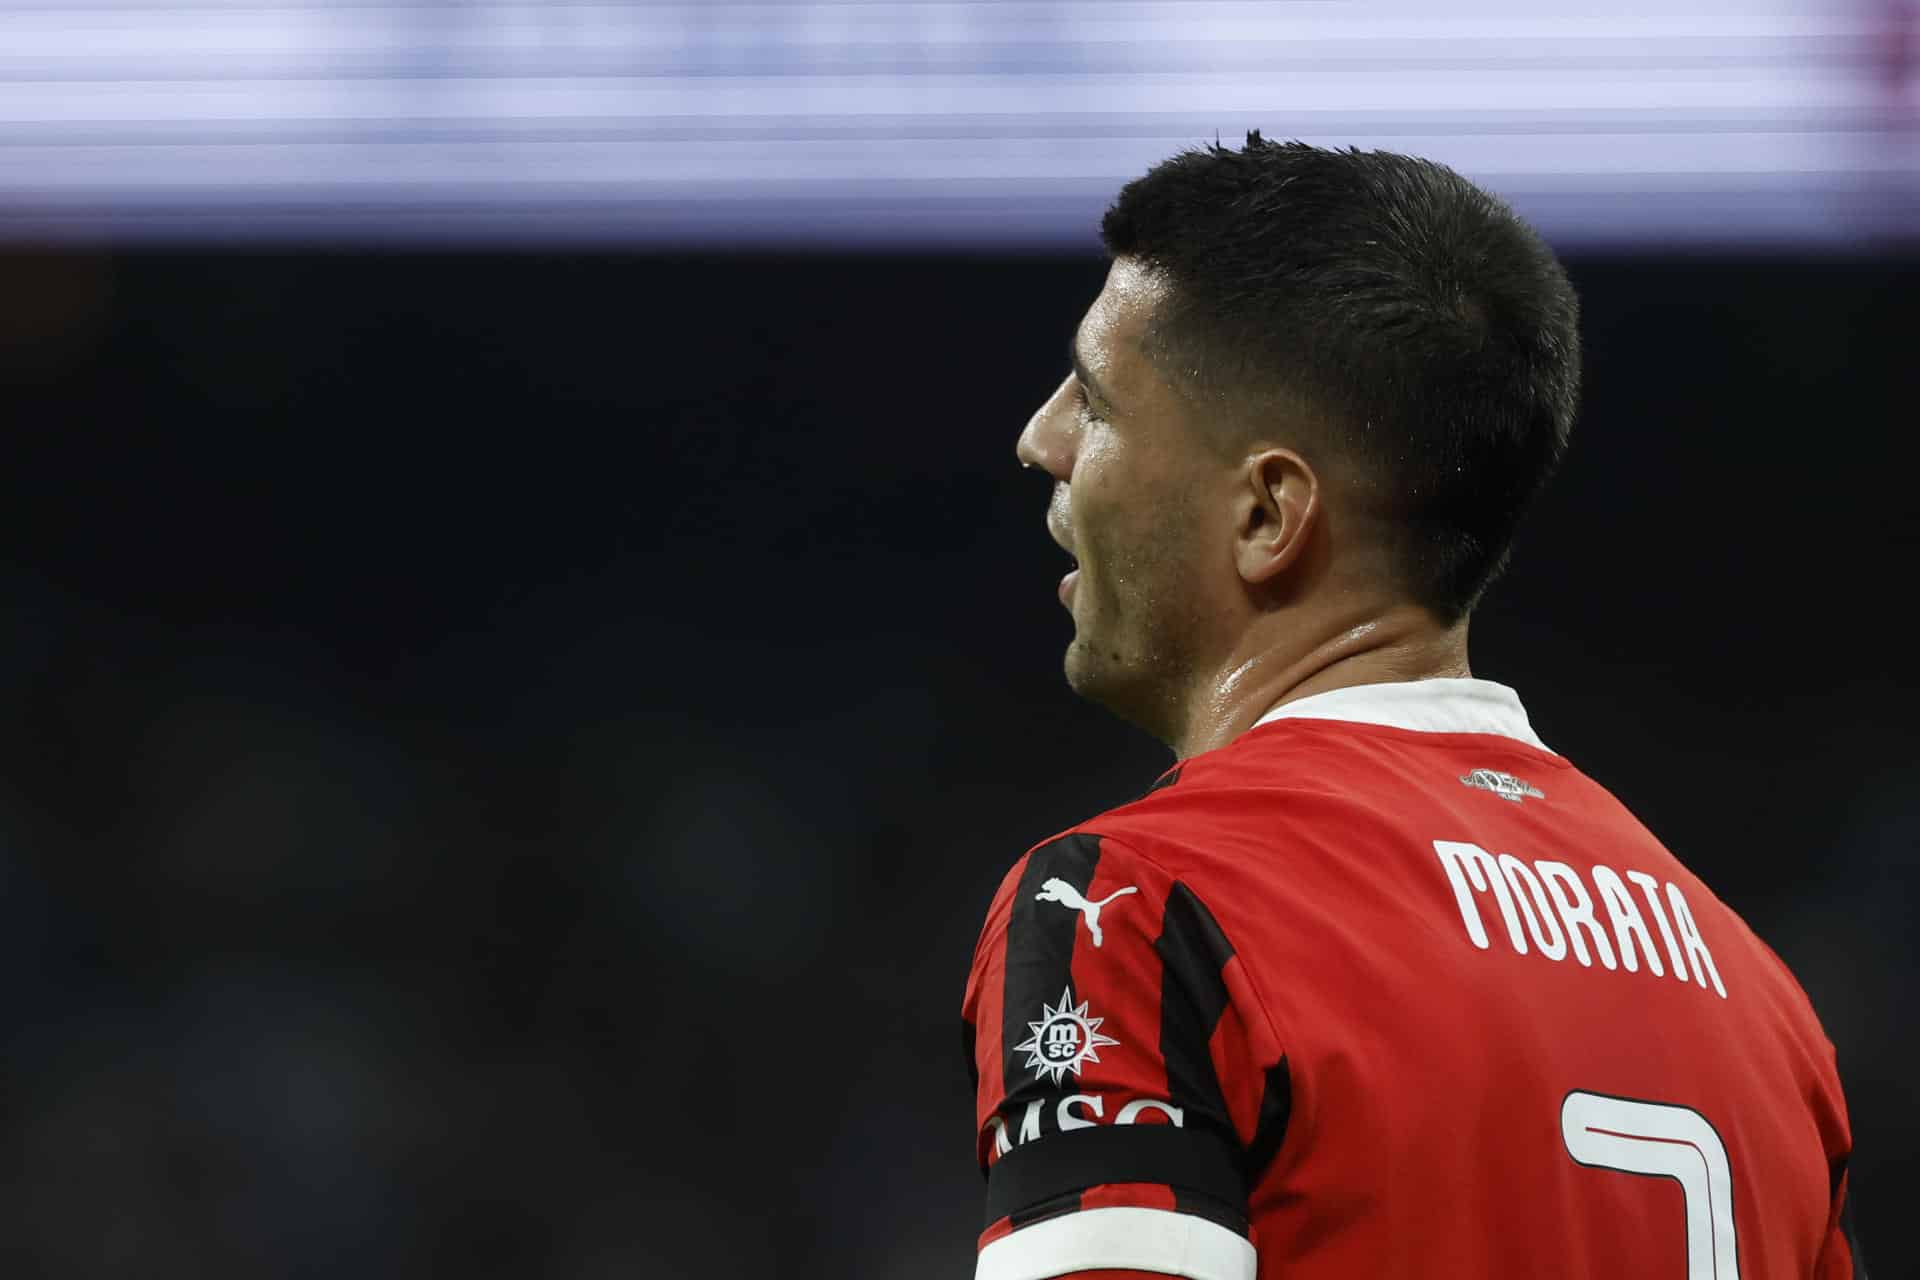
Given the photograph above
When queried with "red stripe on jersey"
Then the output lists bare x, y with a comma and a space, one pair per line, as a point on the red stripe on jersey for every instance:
1234, 1046
1004, 1227
1837, 1260
988, 1050
1261, 1039
986, 991
1129, 1195
1143, 987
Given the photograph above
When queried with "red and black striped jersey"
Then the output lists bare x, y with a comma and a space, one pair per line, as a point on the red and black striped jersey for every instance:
1384, 987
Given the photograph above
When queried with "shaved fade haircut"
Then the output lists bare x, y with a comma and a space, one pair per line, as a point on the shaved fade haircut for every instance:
1413, 321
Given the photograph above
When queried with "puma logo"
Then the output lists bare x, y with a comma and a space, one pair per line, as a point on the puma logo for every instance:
1066, 895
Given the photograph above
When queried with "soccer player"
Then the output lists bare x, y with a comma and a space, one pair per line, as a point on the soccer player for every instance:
1372, 982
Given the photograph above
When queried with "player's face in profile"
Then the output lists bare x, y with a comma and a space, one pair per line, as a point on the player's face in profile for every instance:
1130, 503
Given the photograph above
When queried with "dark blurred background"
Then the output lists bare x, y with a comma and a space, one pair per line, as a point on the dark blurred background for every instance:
503, 757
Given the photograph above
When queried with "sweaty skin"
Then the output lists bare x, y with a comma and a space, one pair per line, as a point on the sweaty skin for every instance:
1225, 567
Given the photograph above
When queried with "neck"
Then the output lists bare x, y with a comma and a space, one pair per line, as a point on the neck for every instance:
1400, 643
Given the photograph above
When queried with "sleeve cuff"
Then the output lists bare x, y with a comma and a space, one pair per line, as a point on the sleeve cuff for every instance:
1157, 1240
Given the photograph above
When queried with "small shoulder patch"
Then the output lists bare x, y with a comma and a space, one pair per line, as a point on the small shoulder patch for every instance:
1504, 785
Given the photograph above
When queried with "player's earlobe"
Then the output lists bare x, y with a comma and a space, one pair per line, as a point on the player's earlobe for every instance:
1281, 509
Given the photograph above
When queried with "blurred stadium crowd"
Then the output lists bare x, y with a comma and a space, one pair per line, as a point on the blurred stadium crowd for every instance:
504, 757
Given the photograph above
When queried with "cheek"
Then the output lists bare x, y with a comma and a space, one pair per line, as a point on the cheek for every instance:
1100, 493
1133, 551
1134, 519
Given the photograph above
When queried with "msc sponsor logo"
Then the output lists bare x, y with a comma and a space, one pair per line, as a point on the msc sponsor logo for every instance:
1064, 1040
1079, 1111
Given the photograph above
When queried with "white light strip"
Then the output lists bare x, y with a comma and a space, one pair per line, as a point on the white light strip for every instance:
666, 167
1650, 93
545, 108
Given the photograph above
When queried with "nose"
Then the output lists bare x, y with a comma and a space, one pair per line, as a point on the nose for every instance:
1050, 437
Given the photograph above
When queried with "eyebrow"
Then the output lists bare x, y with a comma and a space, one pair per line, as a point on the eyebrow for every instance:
1081, 371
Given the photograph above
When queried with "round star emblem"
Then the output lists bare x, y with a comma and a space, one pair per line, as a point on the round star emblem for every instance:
1064, 1040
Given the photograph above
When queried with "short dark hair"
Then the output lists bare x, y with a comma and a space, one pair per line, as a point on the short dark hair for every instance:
1413, 315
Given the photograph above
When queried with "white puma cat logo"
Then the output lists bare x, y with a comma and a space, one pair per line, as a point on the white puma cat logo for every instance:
1060, 891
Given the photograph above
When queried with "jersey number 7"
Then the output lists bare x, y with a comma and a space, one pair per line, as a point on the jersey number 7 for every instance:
1662, 1141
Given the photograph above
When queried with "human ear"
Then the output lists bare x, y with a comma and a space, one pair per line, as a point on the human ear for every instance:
1279, 510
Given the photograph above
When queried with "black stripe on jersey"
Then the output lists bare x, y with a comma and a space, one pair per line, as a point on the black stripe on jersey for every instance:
1193, 995
1052, 1207
1039, 956
1231, 1215
968, 1037
1276, 1108
1198, 1165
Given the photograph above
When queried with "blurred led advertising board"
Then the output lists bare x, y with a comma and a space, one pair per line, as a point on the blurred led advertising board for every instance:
998, 123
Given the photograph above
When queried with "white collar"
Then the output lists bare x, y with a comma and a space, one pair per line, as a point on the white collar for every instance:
1429, 706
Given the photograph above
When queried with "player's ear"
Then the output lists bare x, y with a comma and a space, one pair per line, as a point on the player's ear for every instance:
1279, 510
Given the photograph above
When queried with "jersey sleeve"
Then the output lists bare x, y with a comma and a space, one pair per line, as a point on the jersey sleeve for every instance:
1129, 1088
